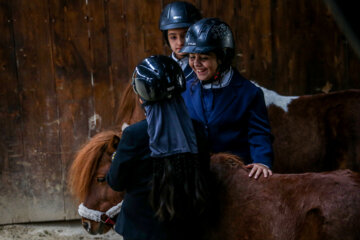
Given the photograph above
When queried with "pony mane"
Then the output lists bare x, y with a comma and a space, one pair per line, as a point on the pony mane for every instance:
227, 159
129, 110
86, 162
224, 165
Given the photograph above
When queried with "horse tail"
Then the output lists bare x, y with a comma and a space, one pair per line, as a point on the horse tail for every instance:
180, 188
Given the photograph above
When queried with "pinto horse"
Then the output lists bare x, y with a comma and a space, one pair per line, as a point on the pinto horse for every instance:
312, 133
318, 132
311, 206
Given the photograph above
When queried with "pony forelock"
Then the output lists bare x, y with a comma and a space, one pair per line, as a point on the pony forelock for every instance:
86, 162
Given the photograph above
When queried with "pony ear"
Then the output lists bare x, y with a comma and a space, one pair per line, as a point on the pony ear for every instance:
113, 144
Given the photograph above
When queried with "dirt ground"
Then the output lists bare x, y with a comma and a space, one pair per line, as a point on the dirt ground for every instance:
51, 231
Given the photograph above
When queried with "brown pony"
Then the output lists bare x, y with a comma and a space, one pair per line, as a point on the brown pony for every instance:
309, 206
312, 133
87, 179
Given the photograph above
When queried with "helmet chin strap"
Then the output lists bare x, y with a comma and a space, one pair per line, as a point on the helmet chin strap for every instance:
215, 78
219, 74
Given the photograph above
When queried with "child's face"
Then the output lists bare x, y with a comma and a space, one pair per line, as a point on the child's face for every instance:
176, 39
204, 65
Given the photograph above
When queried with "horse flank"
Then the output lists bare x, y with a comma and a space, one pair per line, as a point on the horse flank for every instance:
273, 98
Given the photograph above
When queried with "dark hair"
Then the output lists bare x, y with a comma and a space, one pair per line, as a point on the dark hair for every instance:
179, 187
225, 56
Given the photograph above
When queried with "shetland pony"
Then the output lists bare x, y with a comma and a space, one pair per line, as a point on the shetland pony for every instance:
309, 206
87, 179
312, 133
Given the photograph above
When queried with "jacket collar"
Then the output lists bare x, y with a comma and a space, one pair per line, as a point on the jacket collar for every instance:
224, 81
222, 101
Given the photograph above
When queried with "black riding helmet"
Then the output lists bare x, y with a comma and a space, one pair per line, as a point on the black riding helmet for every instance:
178, 15
211, 35
157, 78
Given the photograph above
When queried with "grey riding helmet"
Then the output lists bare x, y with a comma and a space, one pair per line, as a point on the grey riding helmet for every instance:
207, 35
158, 78
178, 15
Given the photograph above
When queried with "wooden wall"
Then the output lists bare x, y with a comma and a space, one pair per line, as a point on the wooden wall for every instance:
64, 63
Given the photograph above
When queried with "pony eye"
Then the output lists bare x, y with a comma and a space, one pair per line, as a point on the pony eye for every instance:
100, 179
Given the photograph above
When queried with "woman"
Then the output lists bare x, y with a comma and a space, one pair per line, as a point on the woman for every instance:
174, 21
162, 162
231, 108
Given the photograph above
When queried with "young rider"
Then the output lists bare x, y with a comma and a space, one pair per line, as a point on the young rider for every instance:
174, 22
231, 108
162, 162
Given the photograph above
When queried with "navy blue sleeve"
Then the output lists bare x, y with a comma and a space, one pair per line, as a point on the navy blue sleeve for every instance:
126, 152
260, 138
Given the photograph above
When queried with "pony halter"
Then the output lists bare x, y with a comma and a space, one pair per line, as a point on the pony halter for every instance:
96, 215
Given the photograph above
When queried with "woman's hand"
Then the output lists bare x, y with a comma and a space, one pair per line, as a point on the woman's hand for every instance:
257, 169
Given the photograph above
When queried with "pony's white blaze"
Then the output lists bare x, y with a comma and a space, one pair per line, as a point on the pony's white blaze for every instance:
273, 98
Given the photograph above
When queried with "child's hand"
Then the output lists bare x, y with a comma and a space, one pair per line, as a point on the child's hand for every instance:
257, 169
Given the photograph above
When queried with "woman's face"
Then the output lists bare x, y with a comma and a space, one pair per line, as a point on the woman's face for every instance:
204, 65
176, 39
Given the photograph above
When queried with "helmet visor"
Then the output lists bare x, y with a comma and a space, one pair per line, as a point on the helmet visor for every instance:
196, 49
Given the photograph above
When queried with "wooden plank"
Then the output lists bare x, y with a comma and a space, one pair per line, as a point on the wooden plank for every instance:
142, 29
257, 49
250, 22
12, 171
308, 46
103, 88
117, 36
72, 64
133, 34
41, 160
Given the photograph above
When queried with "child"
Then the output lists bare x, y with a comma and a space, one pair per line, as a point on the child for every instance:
174, 22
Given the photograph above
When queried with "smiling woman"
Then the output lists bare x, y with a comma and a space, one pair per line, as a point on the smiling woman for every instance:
205, 65
230, 108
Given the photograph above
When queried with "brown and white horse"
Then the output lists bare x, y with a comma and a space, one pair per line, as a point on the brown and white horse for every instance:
318, 132
312, 133
309, 206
